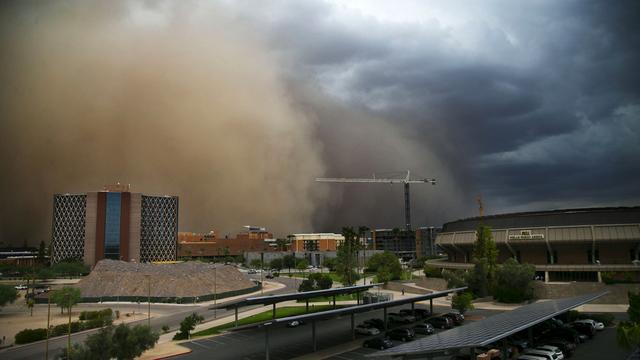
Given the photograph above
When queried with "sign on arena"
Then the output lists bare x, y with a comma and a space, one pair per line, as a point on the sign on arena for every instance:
526, 235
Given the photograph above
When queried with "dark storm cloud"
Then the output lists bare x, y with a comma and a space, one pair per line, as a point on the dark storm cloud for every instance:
530, 104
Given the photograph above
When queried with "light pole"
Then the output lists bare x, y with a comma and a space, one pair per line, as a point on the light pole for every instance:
148, 276
215, 289
68, 297
46, 346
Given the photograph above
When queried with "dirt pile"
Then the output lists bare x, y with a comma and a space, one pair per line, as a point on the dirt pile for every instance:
188, 279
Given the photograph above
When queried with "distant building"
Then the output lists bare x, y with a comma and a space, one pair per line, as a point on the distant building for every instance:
209, 245
114, 224
426, 241
563, 245
315, 242
400, 242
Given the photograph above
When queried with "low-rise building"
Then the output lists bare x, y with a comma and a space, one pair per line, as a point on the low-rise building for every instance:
209, 245
315, 242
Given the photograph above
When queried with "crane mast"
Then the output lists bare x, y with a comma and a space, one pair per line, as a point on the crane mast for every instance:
406, 181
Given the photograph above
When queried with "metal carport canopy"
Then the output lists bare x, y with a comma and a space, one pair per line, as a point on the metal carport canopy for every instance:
363, 308
274, 299
491, 329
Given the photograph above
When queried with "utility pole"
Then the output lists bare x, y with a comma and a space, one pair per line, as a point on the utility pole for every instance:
46, 345
148, 276
406, 181
215, 289
68, 297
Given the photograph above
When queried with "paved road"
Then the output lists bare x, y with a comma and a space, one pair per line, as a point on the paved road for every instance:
37, 350
284, 343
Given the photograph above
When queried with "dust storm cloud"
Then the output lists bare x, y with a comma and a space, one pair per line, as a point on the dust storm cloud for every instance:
176, 98
91, 95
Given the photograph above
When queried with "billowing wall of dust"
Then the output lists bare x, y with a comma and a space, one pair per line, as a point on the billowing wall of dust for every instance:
175, 100
93, 93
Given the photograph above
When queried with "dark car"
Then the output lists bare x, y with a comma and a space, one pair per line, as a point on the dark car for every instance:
401, 334
376, 323
378, 343
583, 328
565, 333
424, 328
456, 318
417, 313
441, 322
566, 347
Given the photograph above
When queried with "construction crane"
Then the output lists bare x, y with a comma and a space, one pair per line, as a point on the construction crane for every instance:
406, 181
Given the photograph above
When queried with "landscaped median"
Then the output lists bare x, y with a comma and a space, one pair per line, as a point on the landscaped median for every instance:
263, 317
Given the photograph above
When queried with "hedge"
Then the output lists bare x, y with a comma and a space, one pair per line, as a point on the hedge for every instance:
30, 335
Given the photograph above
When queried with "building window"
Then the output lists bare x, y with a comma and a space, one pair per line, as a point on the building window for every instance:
112, 227
310, 245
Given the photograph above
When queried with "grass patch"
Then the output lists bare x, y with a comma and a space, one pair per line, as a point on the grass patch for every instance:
341, 297
263, 316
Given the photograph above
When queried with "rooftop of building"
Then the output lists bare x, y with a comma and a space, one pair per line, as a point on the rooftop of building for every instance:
557, 217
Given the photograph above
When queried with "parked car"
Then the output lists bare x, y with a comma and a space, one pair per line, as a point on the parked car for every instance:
530, 357
295, 323
559, 355
566, 333
21, 287
441, 322
596, 324
422, 313
584, 328
518, 342
378, 343
269, 276
424, 328
547, 355
252, 271
399, 318
455, 317
366, 329
401, 334
376, 323
417, 313
567, 347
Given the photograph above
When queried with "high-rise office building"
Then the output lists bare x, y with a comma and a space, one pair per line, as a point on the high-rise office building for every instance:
114, 224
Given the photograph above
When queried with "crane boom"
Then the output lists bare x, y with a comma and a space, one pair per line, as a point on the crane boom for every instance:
406, 181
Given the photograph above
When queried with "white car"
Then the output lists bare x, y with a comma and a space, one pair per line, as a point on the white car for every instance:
554, 349
530, 357
21, 287
545, 354
365, 329
596, 324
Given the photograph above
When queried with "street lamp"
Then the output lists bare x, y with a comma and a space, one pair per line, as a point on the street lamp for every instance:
215, 289
148, 276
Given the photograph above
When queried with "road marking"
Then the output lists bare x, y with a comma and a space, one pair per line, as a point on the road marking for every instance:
215, 341
201, 345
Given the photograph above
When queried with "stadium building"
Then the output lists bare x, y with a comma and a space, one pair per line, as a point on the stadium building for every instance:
114, 224
564, 245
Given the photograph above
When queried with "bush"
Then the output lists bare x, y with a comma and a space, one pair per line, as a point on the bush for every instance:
100, 314
513, 282
432, 272
455, 278
165, 328
63, 329
462, 302
30, 335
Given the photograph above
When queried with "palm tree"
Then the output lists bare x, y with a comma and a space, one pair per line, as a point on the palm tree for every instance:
362, 230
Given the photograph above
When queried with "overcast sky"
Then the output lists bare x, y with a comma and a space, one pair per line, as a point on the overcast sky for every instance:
533, 105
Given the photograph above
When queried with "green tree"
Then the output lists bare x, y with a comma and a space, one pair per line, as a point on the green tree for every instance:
329, 263
346, 257
288, 261
8, 294
477, 279
97, 346
628, 332
454, 278
276, 264
41, 252
485, 248
513, 281
129, 343
187, 325
66, 297
256, 264
45, 273
386, 265
302, 265
462, 302
282, 244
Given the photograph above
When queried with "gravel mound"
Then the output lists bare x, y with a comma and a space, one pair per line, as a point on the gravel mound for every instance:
193, 278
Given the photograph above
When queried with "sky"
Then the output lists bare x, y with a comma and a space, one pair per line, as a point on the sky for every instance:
532, 105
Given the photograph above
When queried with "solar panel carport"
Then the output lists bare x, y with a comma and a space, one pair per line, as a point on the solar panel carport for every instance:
352, 310
489, 330
306, 295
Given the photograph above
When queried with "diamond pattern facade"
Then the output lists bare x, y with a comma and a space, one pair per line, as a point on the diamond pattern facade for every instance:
69, 215
159, 228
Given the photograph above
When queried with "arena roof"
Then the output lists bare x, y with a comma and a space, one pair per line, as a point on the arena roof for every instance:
491, 329
566, 217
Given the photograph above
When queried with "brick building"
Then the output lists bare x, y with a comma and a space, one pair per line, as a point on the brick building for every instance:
209, 245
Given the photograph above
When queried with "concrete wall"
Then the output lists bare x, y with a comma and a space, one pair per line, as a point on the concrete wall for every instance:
617, 292
398, 286
431, 283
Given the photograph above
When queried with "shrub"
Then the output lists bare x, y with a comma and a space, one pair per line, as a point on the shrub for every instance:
100, 314
432, 272
63, 329
462, 302
30, 335
165, 328
454, 278
513, 282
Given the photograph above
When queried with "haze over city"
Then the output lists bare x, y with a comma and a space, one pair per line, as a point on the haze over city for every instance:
236, 107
